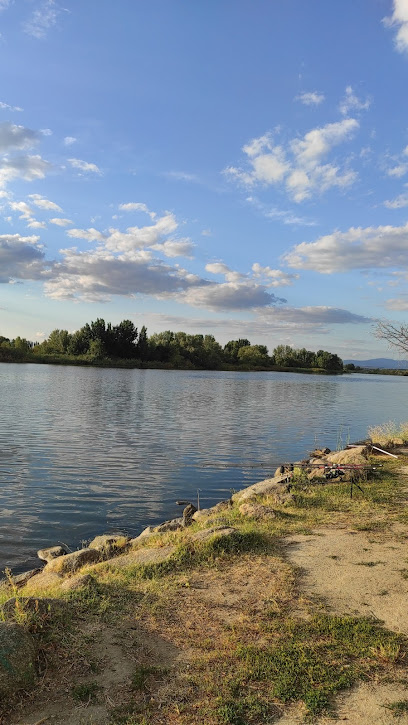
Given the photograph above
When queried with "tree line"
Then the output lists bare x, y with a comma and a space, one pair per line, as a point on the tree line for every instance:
100, 342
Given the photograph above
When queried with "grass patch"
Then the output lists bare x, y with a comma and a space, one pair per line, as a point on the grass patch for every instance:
85, 692
398, 708
311, 661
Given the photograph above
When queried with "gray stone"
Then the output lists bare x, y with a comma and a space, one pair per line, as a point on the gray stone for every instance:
44, 581
276, 487
140, 557
70, 563
201, 514
17, 659
52, 552
256, 511
77, 582
188, 514
172, 525
213, 532
109, 543
18, 580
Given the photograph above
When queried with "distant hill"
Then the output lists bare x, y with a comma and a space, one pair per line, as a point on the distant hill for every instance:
380, 362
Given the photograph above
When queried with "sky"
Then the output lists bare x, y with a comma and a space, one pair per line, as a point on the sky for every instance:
230, 167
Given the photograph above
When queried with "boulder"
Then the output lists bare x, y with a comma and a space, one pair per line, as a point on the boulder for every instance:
215, 531
18, 580
42, 582
188, 514
80, 581
172, 525
276, 487
52, 552
140, 557
201, 514
70, 563
357, 455
256, 511
17, 659
213, 511
109, 543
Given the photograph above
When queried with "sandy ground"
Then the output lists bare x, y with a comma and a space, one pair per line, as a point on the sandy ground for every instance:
363, 574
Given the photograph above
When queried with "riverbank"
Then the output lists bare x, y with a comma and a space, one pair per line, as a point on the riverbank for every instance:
215, 622
89, 361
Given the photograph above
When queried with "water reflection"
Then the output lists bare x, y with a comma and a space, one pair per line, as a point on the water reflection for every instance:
84, 451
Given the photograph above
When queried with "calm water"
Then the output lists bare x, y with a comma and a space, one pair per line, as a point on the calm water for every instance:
85, 451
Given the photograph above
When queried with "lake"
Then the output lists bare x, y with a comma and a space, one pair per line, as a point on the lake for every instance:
84, 451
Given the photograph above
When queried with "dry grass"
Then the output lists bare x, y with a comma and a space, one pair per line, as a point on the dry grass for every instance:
385, 435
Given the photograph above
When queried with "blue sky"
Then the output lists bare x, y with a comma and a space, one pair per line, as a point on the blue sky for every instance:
221, 166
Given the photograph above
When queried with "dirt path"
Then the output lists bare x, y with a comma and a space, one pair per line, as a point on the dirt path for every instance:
360, 574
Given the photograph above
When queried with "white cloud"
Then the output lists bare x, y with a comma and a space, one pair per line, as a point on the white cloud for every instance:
5, 106
35, 224
383, 247
351, 102
20, 258
273, 277
60, 222
399, 202
69, 140
398, 304
399, 18
313, 316
43, 18
398, 171
300, 166
229, 296
28, 168
176, 248
42, 203
84, 166
22, 207
139, 237
137, 206
16, 137
206, 233
313, 98
4, 4
90, 235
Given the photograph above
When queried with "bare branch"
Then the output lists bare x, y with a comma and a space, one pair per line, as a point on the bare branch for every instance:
395, 334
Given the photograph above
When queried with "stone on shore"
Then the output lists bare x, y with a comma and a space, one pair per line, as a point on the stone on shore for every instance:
80, 581
17, 659
188, 514
140, 557
109, 543
18, 580
52, 552
276, 487
357, 455
257, 511
70, 563
213, 532
172, 525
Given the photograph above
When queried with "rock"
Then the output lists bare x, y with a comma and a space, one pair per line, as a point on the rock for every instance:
77, 582
42, 582
317, 474
397, 442
34, 605
172, 525
17, 659
356, 455
108, 544
280, 471
52, 552
19, 580
70, 563
201, 514
257, 511
188, 514
276, 487
206, 534
140, 557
